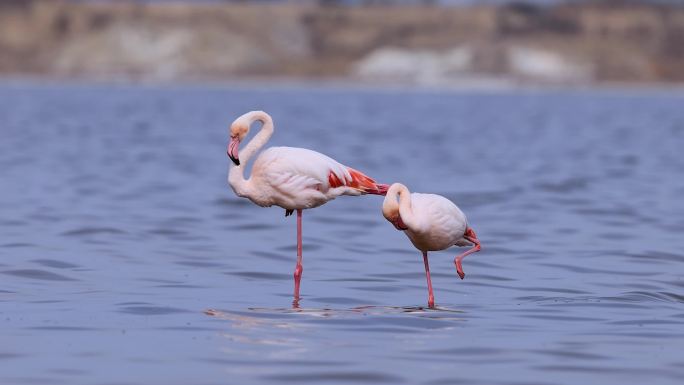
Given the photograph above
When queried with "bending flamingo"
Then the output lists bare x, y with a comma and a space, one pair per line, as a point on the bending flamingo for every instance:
289, 177
432, 223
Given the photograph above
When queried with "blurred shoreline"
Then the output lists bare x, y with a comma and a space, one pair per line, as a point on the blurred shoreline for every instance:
274, 84
482, 47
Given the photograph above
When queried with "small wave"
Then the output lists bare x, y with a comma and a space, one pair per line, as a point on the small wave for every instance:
152, 310
260, 275
55, 263
564, 186
63, 328
93, 231
346, 376
643, 296
38, 274
17, 245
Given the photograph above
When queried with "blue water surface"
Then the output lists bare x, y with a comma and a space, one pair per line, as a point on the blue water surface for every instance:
126, 259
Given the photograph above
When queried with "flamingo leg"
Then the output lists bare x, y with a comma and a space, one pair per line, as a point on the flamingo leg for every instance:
298, 268
431, 297
472, 238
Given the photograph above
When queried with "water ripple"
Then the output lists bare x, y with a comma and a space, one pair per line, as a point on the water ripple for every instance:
118, 226
348, 376
151, 310
55, 263
38, 275
84, 231
260, 275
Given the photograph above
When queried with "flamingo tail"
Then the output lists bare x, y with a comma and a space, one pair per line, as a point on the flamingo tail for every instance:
359, 181
380, 189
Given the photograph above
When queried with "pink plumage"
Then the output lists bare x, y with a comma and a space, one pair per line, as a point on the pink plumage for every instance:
432, 223
289, 177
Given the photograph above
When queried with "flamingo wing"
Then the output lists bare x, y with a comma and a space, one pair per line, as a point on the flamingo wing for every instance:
446, 221
296, 169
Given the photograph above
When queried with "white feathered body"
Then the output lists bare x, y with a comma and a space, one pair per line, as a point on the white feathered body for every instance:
443, 224
293, 178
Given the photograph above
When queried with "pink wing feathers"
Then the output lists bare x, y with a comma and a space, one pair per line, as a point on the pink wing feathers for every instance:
292, 170
357, 180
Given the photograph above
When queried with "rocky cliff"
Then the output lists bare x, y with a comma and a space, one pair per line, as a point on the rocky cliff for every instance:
568, 43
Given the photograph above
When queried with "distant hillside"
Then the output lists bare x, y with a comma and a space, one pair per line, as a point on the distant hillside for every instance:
569, 43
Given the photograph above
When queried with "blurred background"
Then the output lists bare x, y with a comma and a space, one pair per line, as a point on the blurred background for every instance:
424, 42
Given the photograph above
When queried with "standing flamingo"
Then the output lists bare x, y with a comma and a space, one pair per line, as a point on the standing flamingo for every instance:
289, 177
432, 223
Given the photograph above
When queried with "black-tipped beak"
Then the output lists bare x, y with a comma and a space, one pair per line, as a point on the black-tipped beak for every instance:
235, 160
232, 151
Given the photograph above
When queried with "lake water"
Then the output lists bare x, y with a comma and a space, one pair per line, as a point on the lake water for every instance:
118, 233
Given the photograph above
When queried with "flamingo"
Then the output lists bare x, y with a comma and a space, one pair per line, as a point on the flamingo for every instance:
431, 222
289, 177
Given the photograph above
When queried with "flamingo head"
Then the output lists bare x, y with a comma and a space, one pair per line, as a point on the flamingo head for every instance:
238, 131
390, 210
399, 224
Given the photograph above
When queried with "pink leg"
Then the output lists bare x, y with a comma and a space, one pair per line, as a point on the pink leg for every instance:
472, 238
299, 268
431, 297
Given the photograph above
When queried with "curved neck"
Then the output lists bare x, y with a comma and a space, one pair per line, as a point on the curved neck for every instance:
259, 139
402, 193
236, 176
